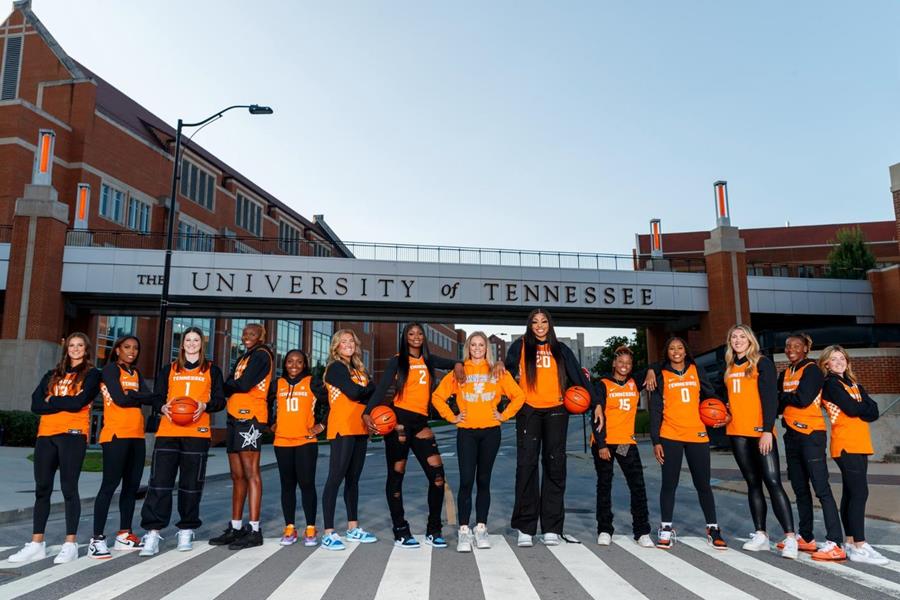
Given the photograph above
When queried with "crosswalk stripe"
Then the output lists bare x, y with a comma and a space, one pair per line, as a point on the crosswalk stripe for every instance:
133, 576
888, 547
603, 582
786, 581
48, 575
681, 572
219, 578
856, 576
502, 575
311, 579
407, 574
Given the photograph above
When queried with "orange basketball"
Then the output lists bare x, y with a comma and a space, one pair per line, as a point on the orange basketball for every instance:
713, 412
577, 400
385, 419
182, 410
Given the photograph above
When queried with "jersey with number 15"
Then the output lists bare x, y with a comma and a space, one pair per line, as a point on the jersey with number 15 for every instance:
621, 408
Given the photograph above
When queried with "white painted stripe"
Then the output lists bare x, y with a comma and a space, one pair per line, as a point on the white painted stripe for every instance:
603, 582
312, 578
855, 575
223, 575
787, 582
502, 575
48, 575
407, 574
681, 572
887, 547
133, 576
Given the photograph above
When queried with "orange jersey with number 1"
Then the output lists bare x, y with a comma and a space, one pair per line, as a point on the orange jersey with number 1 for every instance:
195, 384
681, 407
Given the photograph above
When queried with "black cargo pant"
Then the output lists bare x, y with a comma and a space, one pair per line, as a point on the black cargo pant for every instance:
631, 466
186, 458
805, 456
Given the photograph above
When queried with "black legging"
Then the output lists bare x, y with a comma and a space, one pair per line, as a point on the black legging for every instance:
123, 461
854, 468
759, 469
348, 455
63, 451
476, 450
412, 433
297, 465
697, 454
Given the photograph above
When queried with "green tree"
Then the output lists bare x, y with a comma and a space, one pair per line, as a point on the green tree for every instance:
637, 344
850, 258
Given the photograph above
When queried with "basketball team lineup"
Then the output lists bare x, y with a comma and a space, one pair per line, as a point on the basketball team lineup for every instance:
538, 387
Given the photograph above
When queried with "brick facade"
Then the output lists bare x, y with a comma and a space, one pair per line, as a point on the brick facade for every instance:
875, 368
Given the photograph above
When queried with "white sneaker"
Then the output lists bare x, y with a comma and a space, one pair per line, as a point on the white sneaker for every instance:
758, 542
185, 540
482, 541
126, 540
644, 541
790, 549
150, 543
29, 552
604, 539
551, 539
464, 539
866, 554
67, 553
525, 540
98, 548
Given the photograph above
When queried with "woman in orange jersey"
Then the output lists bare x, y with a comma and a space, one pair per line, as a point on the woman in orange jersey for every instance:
850, 410
620, 393
799, 399
412, 374
122, 438
181, 450
247, 389
296, 445
545, 367
478, 432
677, 431
349, 388
63, 401
752, 389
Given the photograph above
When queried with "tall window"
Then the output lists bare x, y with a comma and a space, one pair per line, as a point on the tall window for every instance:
109, 329
138, 215
112, 203
197, 184
179, 324
288, 238
192, 237
288, 337
235, 345
367, 360
321, 342
248, 214
320, 249
12, 62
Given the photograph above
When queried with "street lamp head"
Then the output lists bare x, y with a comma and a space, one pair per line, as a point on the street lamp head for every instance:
256, 109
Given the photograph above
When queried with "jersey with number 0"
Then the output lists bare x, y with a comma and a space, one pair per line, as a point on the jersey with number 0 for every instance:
805, 420
681, 407
295, 407
546, 392
65, 421
621, 408
254, 402
416, 393
744, 402
119, 421
848, 434
195, 384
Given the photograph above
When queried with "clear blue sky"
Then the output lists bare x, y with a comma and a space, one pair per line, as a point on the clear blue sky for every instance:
548, 125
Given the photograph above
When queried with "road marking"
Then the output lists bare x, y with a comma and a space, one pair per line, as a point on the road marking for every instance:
603, 582
407, 574
133, 576
889, 548
311, 579
502, 575
856, 576
223, 575
787, 582
681, 572
48, 575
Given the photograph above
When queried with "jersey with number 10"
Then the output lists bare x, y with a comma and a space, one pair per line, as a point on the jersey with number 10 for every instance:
294, 413
621, 408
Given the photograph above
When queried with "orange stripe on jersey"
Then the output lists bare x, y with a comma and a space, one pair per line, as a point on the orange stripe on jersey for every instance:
546, 392
345, 415
744, 401
621, 409
196, 384
253, 403
118, 421
66, 422
850, 434
417, 390
681, 407
805, 420
295, 407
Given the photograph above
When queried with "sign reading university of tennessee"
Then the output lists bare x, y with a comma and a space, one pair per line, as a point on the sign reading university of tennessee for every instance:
139, 272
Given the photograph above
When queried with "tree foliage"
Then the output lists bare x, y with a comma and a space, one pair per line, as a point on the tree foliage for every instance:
850, 258
637, 344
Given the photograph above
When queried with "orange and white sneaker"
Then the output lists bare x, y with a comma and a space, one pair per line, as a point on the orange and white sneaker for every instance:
289, 536
665, 538
802, 545
126, 540
714, 538
830, 551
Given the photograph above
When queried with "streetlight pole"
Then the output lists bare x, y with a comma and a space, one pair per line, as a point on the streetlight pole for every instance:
254, 109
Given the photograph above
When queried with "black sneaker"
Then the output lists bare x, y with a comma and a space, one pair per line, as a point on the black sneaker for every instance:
714, 538
230, 536
247, 540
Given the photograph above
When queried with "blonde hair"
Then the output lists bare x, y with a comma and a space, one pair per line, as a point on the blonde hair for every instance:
356, 361
489, 354
826, 356
753, 355
259, 328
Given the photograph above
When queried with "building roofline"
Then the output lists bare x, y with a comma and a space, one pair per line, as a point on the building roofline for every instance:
24, 6
320, 221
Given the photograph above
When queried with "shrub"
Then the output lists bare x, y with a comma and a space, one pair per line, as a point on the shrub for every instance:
19, 427
642, 422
